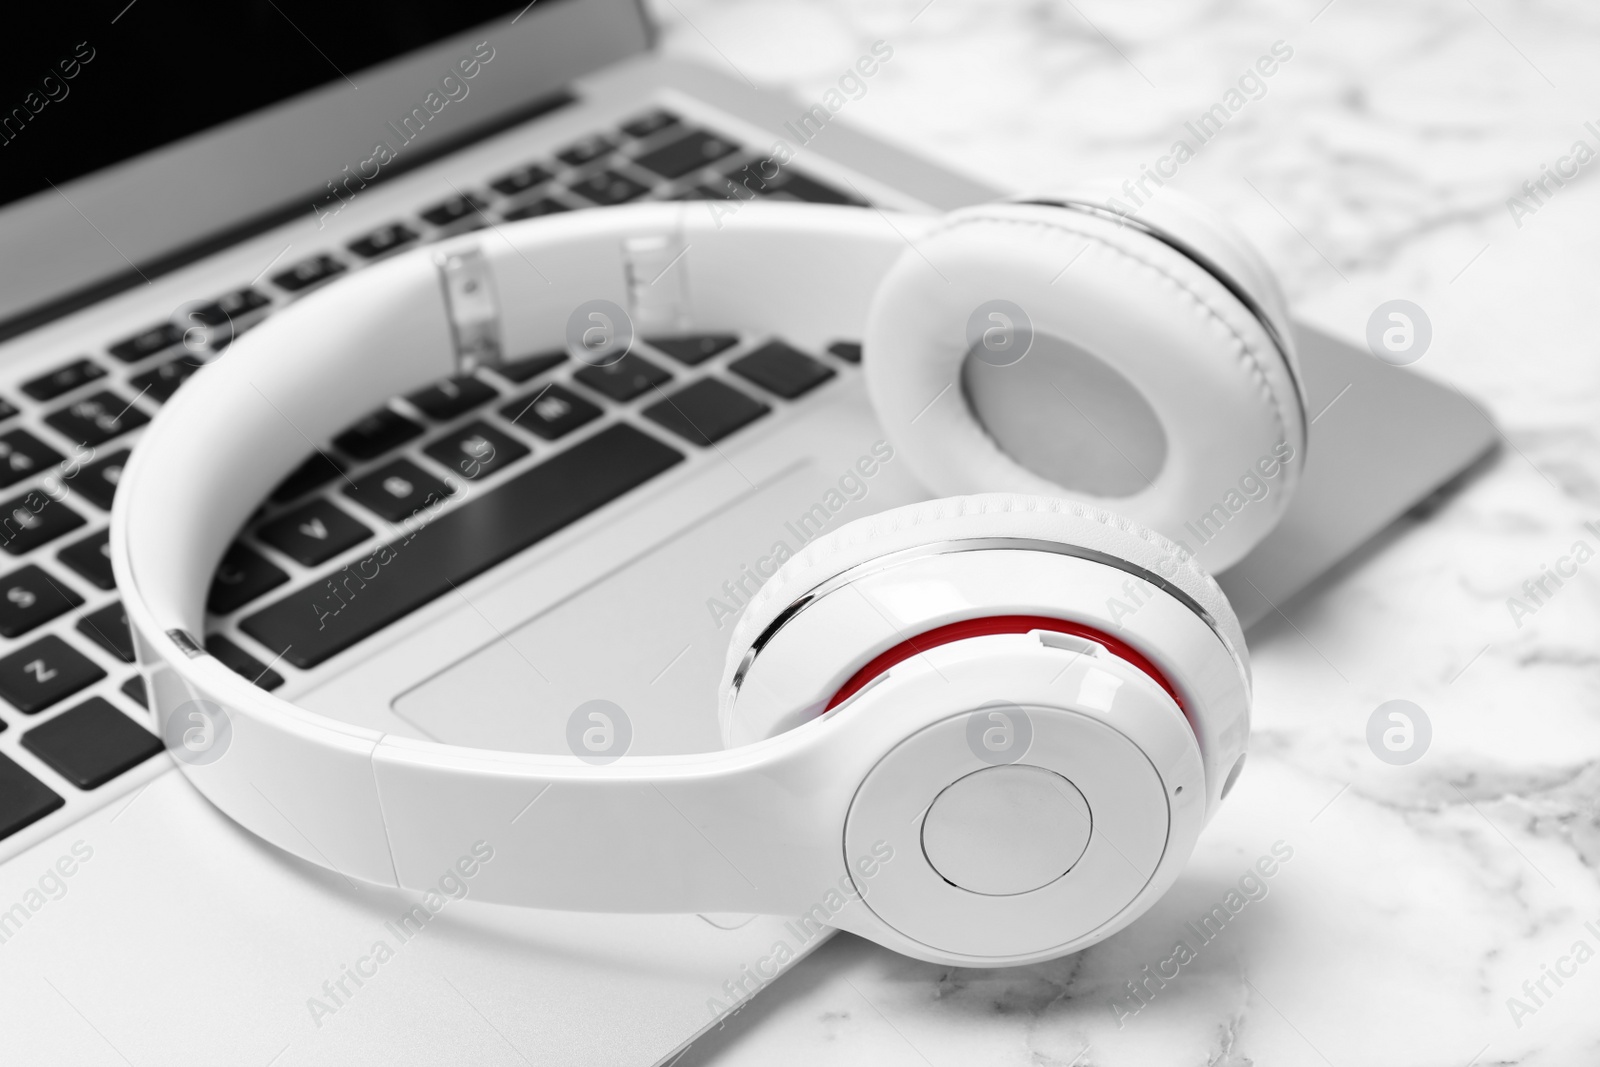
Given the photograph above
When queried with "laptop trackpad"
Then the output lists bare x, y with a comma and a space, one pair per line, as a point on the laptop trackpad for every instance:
650, 636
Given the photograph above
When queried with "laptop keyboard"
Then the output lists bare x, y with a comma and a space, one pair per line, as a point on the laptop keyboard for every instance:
436, 487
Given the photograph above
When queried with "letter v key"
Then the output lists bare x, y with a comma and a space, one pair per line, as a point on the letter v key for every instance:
315, 528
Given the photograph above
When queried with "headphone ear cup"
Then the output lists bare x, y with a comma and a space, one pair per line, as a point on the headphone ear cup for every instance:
829, 657
1033, 349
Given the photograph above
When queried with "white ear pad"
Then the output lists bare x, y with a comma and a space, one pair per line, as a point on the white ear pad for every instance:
1149, 387
941, 561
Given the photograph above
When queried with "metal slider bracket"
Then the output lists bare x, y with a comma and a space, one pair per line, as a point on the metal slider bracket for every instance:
657, 277
474, 311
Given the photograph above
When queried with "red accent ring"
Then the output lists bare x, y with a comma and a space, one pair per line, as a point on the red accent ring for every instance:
998, 624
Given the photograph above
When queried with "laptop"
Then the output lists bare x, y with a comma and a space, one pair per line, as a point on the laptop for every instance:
175, 174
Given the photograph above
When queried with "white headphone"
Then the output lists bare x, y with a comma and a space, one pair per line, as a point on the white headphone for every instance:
940, 734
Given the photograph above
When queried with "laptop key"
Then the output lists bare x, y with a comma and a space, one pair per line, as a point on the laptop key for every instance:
314, 533
108, 628
231, 305
243, 663
521, 180
782, 370
318, 470
542, 206
398, 491
551, 412
8, 409
97, 418
849, 351
22, 455
452, 397
386, 239
92, 743
91, 559
243, 575
24, 799
308, 272
693, 349
814, 192
159, 384
476, 450
97, 482
686, 154
453, 210
377, 434
587, 150
29, 598
624, 379
608, 188
157, 338
133, 689
63, 379
521, 370
310, 625
652, 122
34, 519
37, 675
706, 411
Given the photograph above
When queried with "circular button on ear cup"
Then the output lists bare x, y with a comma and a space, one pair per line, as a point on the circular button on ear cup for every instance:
1123, 372
1006, 830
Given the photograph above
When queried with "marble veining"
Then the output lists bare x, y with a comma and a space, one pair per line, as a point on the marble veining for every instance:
1425, 907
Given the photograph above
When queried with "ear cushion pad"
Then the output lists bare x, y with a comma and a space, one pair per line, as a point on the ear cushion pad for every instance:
964, 518
1221, 390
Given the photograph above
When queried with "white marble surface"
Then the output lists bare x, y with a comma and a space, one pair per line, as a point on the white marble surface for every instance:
1377, 165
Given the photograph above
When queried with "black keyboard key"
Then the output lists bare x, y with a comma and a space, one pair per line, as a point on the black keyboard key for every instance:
521, 370
91, 559
108, 628
476, 450
542, 206
624, 379
849, 351
8, 409
311, 624
243, 663
23, 798
647, 124
694, 349
686, 154
92, 743
34, 519
755, 178
521, 180
314, 533
453, 210
229, 306
97, 418
705, 192
159, 384
814, 192
36, 676
706, 411
587, 150
133, 689
398, 490
242, 576
551, 412
63, 379
386, 239
782, 370
377, 434
608, 188
452, 397
98, 481
155, 339
316, 471
23, 455
29, 597
308, 272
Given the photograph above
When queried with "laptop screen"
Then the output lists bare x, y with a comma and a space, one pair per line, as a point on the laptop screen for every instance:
83, 86
137, 135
